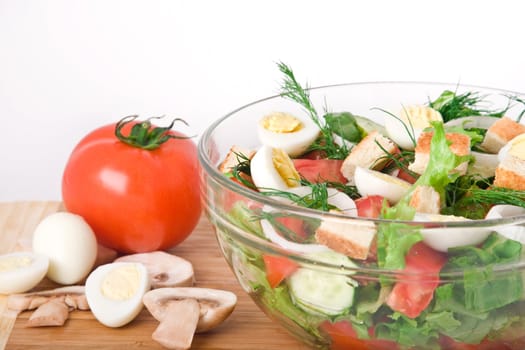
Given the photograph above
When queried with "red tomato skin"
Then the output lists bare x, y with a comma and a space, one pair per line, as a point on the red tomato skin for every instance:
370, 206
410, 294
320, 170
135, 200
278, 268
344, 337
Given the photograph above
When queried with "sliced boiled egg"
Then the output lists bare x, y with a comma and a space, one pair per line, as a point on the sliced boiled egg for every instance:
292, 134
514, 148
444, 238
405, 128
484, 164
114, 292
21, 271
511, 231
371, 182
273, 168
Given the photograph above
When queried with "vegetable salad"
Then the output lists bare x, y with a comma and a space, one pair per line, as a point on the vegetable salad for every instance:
450, 159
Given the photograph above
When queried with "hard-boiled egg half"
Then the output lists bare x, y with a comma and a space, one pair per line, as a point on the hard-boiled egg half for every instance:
292, 134
405, 128
21, 271
514, 148
70, 245
371, 182
272, 168
114, 292
444, 238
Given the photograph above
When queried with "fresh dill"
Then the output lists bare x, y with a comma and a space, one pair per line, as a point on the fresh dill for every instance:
241, 171
453, 106
317, 199
292, 90
275, 220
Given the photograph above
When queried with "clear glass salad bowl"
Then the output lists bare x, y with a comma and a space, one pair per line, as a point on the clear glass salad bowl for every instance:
393, 281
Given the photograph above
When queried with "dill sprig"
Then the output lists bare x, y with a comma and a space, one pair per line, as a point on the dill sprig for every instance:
317, 199
292, 90
241, 171
453, 106
273, 219
498, 195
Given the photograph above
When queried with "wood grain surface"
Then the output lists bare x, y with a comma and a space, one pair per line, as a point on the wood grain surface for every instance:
247, 328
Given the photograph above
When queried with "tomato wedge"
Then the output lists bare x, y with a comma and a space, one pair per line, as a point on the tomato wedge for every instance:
278, 268
344, 337
370, 206
410, 294
320, 170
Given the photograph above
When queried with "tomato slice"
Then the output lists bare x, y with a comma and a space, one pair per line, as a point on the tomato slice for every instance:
320, 170
370, 206
411, 295
344, 337
278, 268
450, 344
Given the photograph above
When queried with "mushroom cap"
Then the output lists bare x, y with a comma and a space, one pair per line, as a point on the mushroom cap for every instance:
215, 304
164, 269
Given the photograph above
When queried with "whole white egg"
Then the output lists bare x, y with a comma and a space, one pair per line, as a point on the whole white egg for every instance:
405, 127
293, 134
70, 245
371, 182
21, 271
272, 168
114, 292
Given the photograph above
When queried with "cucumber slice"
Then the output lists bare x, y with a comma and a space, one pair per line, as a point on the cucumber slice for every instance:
321, 292
369, 125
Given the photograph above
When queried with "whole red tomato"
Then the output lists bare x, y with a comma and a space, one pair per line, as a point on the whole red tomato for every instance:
136, 185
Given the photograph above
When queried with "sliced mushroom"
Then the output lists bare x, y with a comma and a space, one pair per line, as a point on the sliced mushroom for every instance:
164, 269
52, 306
184, 311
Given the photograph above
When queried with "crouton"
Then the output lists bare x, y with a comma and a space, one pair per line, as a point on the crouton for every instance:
460, 145
425, 199
234, 157
368, 153
347, 236
510, 172
501, 132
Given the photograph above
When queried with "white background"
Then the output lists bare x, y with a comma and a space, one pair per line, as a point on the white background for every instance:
67, 67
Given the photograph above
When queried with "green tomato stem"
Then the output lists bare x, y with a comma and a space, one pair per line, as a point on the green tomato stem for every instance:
145, 135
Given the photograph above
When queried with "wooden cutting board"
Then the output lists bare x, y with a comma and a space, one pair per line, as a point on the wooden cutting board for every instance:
247, 328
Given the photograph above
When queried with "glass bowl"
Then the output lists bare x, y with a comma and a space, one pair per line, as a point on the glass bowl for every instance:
422, 284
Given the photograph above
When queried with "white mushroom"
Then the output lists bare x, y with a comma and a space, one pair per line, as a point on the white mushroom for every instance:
184, 311
164, 269
52, 306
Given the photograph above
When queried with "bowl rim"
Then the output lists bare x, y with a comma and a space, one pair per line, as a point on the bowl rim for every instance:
212, 170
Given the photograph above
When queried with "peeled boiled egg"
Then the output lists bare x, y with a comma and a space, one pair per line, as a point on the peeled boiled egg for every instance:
515, 148
273, 168
405, 128
511, 231
444, 238
21, 271
70, 245
114, 292
371, 182
292, 134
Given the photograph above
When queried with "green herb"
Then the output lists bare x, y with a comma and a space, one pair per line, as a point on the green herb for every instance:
345, 125
241, 171
317, 199
292, 90
454, 106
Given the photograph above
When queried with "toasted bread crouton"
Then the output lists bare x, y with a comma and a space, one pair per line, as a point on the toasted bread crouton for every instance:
425, 199
501, 132
368, 153
460, 145
351, 237
234, 157
510, 172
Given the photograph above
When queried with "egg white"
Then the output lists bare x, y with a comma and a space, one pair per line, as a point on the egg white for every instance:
444, 238
24, 275
294, 143
504, 151
263, 172
514, 232
405, 128
115, 312
371, 182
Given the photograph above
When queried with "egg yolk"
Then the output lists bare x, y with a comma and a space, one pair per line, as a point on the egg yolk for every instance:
517, 148
419, 116
280, 122
284, 166
121, 283
13, 263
